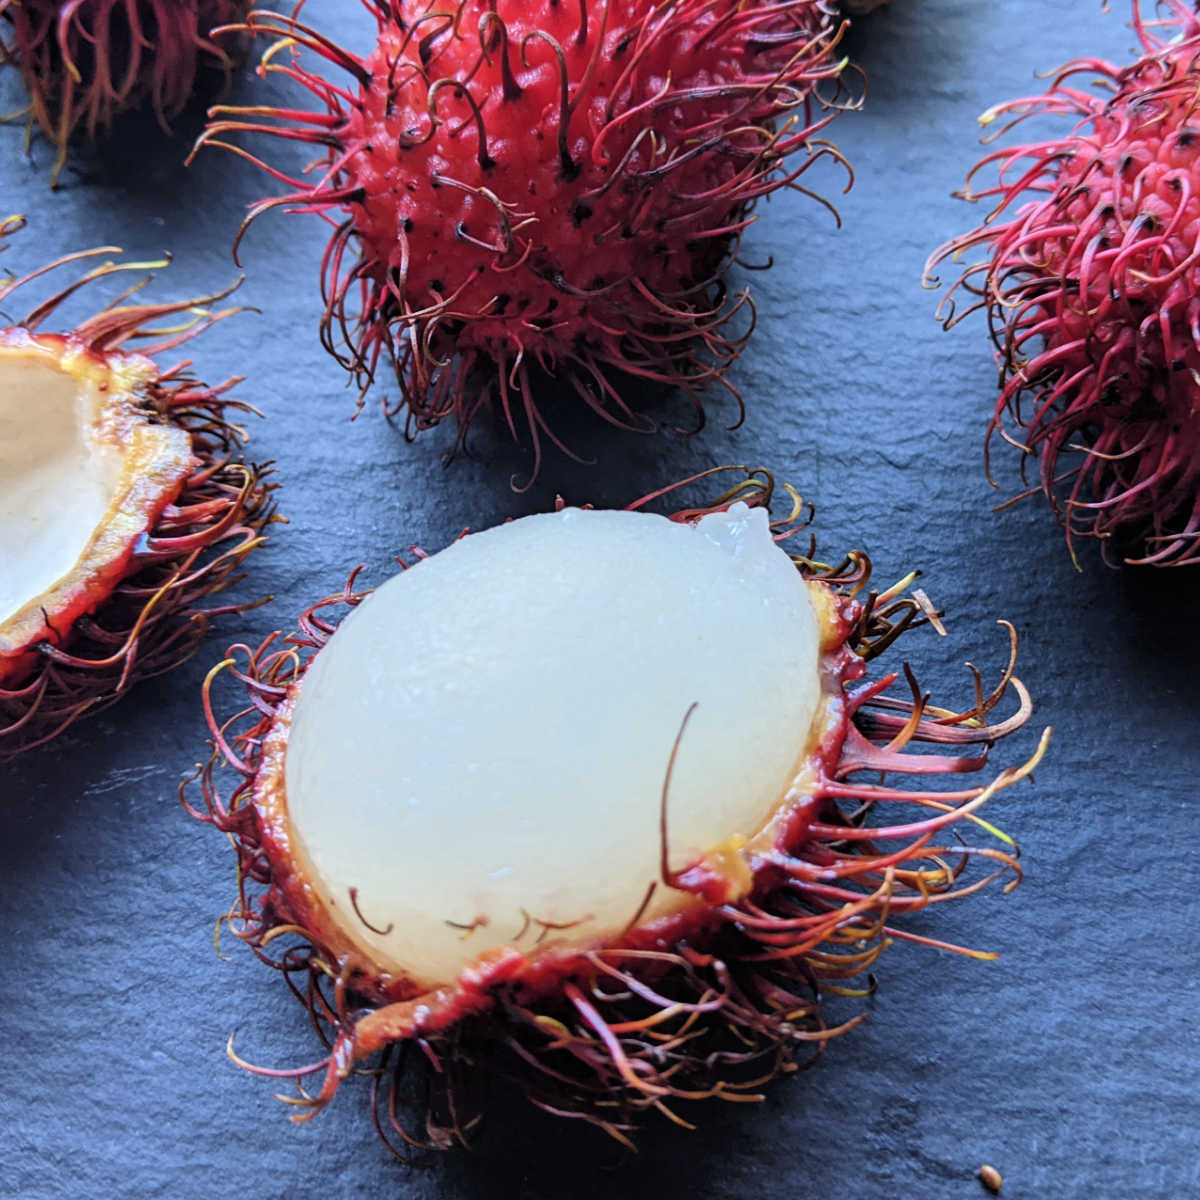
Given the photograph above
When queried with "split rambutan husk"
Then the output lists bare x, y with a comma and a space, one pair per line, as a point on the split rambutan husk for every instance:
84, 62
610, 1033
520, 191
1092, 289
138, 601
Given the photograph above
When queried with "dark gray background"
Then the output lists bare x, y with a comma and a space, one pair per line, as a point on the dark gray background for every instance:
1070, 1064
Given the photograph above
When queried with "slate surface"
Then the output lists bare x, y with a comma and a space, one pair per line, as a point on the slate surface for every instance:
1070, 1064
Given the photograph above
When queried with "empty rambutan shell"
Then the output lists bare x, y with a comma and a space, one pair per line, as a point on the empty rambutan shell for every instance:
1092, 289
124, 504
589, 801
85, 62
521, 190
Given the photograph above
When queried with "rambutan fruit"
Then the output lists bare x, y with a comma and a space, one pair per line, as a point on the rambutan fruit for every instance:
84, 62
605, 836
1092, 289
124, 504
561, 187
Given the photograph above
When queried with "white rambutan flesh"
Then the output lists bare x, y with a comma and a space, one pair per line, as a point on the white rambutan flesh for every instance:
503, 772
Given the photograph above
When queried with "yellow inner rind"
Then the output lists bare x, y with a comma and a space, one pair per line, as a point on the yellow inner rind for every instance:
84, 473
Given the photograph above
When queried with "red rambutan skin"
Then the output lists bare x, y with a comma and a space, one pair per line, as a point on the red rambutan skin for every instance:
605, 1032
86, 61
147, 608
549, 185
1092, 288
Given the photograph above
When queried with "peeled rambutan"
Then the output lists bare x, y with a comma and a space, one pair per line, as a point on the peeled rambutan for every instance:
124, 504
1092, 289
85, 62
611, 834
553, 186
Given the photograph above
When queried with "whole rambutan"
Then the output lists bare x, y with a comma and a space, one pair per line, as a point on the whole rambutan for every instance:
542, 185
1092, 289
612, 836
85, 62
125, 503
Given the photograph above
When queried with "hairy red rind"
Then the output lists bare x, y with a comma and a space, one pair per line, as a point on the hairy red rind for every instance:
526, 190
85, 62
1092, 289
158, 609
709, 1003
